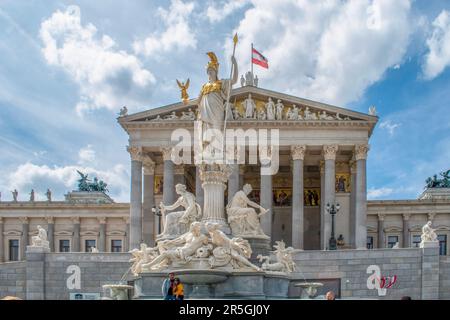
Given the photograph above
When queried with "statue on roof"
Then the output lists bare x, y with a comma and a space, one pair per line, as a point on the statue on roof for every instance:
184, 86
85, 184
434, 182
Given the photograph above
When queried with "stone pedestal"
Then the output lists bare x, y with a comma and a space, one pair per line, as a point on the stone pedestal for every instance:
35, 271
216, 284
214, 179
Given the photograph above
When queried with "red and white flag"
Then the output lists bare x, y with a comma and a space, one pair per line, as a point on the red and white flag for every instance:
259, 59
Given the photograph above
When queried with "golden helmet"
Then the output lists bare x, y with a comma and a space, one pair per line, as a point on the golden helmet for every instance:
213, 63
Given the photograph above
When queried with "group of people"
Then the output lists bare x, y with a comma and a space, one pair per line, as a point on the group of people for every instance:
172, 288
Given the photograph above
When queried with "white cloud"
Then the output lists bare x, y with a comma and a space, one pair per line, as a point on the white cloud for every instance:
107, 77
86, 155
63, 179
438, 56
325, 50
217, 12
373, 193
178, 34
389, 126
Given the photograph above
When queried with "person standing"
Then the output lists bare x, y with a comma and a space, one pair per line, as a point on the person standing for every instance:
178, 289
168, 286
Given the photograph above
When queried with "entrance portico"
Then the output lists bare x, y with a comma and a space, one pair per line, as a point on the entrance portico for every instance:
322, 159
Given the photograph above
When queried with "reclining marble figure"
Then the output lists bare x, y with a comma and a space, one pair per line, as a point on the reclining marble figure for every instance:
177, 223
141, 257
242, 217
235, 251
180, 250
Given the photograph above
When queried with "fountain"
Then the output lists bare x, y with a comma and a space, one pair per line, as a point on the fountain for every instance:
310, 288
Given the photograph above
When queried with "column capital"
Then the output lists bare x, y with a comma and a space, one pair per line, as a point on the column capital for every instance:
135, 153
24, 220
101, 220
75, 220
166, 152
330, 151
406, 216
50, 220
148, 165
361, 151
298, 152
381, 216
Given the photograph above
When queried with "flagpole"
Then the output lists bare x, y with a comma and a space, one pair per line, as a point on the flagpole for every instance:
235, 40
251, 60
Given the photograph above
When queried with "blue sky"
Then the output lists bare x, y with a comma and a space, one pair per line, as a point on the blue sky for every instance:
66, 68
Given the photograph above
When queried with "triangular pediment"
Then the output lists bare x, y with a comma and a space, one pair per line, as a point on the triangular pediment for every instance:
294, 109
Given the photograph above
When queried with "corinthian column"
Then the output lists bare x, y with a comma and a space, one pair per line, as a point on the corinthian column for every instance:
233, 181
148, 218
136, 197
298, 155
198, 187
323, 245
214, 178
352, 228
361, 197
266, 192
168, 182
329, 155
24, 239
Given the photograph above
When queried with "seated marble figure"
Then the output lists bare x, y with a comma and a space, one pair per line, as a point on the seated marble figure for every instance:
178, 222
242, 216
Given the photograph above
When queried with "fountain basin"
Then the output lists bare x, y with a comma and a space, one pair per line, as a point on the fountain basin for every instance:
310, 288
204, 276
118, 291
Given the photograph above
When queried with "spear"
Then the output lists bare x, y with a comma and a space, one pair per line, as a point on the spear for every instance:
235, 41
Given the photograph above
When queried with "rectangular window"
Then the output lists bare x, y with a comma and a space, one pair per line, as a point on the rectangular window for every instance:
416, 241
88, 245
369, 242
116, 245
442, 244
64, 245
13, 250
392, 240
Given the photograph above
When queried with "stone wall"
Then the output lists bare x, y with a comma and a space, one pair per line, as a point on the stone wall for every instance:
444, 278
350, 266
12, 279
96, 270
421, 273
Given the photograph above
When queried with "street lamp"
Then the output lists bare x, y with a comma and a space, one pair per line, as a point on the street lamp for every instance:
333, 209
157, 212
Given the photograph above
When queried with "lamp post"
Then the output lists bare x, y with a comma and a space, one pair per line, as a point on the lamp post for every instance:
157, 212
333, 209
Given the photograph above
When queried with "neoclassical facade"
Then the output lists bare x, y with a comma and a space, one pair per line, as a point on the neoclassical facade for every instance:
322, 155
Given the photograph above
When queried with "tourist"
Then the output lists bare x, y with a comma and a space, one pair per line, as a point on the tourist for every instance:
167, 287
330, 296
178, 290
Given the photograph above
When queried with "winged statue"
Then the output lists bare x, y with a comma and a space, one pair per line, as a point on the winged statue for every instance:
183, 88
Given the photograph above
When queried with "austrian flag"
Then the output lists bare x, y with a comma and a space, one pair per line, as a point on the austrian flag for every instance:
259, 59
